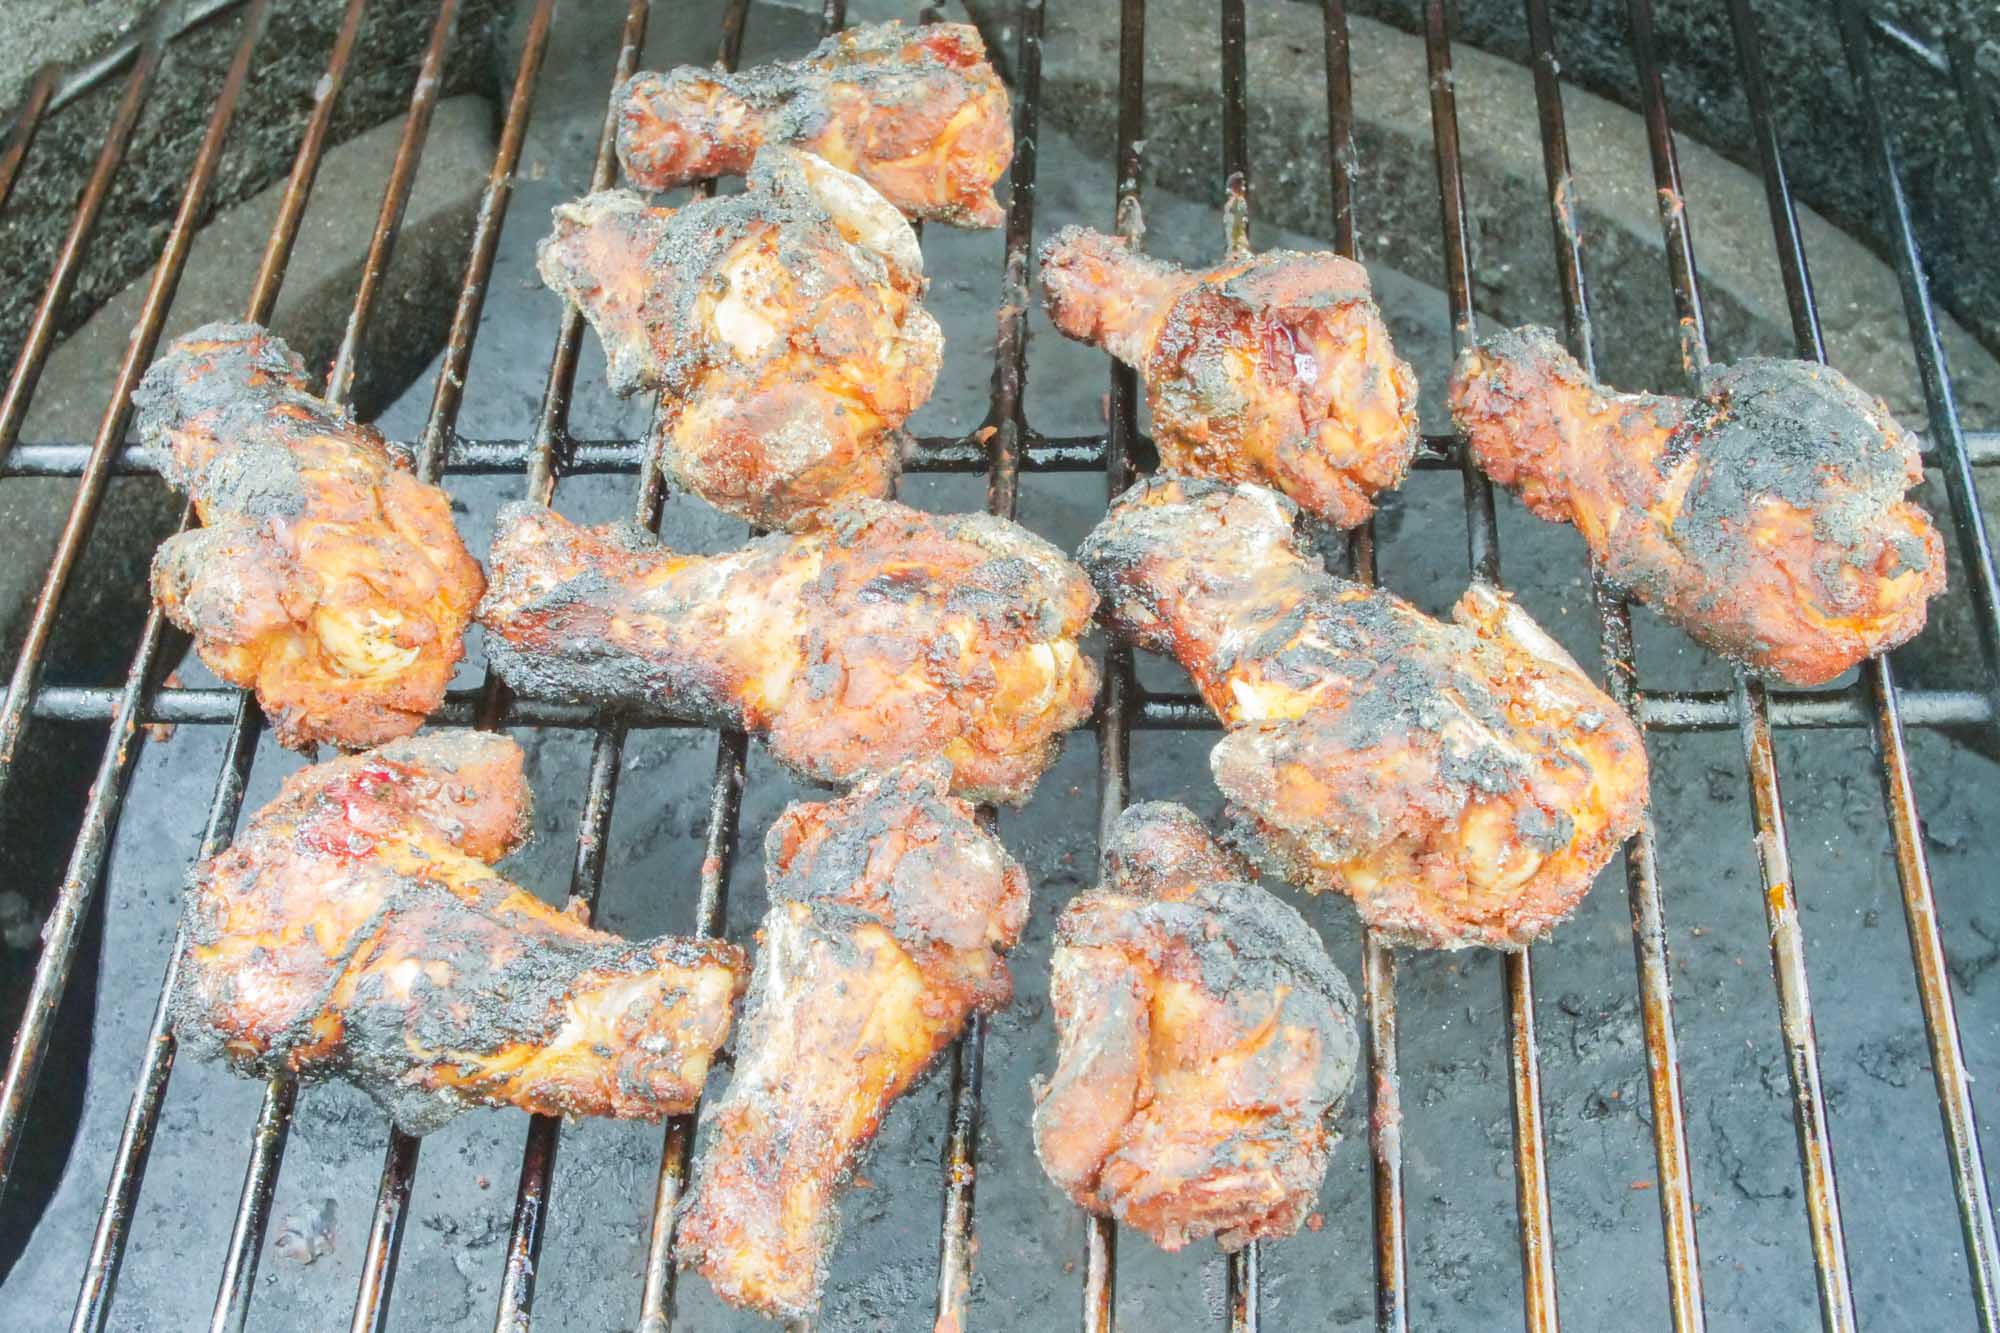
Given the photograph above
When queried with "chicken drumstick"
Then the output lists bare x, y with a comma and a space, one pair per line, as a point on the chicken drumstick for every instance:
890, 912
1766, 518
1462, 783
1207, 1040
357, 929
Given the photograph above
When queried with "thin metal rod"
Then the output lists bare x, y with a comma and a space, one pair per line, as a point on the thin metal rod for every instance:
1787, 938
1954, 1081
961, 1155
538, 1156
76, 242
1115, 693
1378, 961
63, 930
1975, 548
725, 809
395, 199
371, 1302
21, 134
1531, 1185
1642, 885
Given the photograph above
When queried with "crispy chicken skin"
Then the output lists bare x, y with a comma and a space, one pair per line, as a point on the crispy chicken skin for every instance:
1206, 1042
357, 929
784, 325
1273, 368
883, 636
324, 576
915, 112
1766, 518
890, 912
1461, 782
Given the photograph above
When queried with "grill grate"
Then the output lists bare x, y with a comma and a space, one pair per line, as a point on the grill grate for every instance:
1005, 447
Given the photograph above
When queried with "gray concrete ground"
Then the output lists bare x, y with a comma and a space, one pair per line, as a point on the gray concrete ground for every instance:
1902, 1229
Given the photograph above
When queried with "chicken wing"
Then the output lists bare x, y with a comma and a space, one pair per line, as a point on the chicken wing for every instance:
915, 112
1206, 1042
784, 325
890, 912
357, 929
1462, 783
885, 635
324, 575
1766, 518
1272, 368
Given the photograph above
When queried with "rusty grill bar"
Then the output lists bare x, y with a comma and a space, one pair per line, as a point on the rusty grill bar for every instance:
1003, 448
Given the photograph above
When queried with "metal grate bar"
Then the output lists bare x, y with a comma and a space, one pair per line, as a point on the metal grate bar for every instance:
135, 1141
1975, 548
725, 815
1961, 1130
69, 259
1007, 417
538, 1156
1378, 961
1117, 691
21, 134
1642, 884
399, 1165
63, 930
1787, 936
1531, 1186
273, 1125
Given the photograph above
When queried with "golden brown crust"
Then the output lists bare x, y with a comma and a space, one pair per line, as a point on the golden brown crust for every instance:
891, 912
883, 636
1462, 783
1273, 368
356, 929
918, 113
1765, 518
324, 575
1206, 1043
783, 324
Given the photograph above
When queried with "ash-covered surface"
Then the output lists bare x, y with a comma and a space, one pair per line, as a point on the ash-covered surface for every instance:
1464, 1265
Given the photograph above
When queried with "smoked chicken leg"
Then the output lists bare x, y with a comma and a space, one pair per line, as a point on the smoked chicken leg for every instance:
324, 575
915, 112
1273, 368
1766, 518
783, 326
1461, 782
357, 929
1207, 1041
890, 912
883, 636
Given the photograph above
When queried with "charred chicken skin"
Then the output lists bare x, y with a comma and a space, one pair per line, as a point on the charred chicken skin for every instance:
915, 112
883, 636
890, 912
1206, 1042
784, 324
1766, 518
1461, 782
1273, 368
357, 929
325, 576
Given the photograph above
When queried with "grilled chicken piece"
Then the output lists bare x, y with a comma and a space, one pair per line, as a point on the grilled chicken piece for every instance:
1272, 368
358, 929
1207, 1041
885, 635
1462, 783
890, 912
915, 112
784, 324
1766, 518
324, 575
